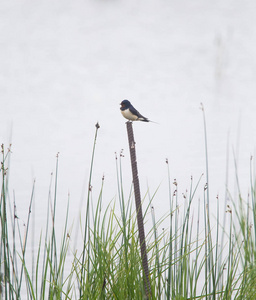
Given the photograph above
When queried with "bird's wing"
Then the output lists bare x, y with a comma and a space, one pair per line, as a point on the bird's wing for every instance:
135, 112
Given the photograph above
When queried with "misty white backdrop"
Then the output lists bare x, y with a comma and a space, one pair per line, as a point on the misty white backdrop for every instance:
66, 65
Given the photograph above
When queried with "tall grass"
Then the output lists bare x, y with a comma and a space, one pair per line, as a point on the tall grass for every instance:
187, 260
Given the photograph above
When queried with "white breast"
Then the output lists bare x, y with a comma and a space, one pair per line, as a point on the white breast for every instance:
128, 115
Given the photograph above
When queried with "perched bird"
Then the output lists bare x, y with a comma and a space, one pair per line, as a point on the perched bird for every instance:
130, 113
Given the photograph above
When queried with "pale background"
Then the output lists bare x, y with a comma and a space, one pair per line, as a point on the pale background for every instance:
65, 65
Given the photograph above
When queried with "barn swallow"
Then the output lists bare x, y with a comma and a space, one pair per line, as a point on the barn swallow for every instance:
130, 113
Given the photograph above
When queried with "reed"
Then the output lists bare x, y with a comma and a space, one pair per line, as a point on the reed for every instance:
185, 262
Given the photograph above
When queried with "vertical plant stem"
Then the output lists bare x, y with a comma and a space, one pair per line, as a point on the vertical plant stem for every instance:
125, 239
4, 239
53, 254
206, 249
209, 241
169, 277
86, 225
26, 236
224, 215
44, 268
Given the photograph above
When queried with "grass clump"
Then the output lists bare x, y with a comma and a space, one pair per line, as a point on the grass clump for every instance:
188, 260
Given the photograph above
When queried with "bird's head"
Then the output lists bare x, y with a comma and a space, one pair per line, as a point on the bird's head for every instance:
125, 104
